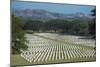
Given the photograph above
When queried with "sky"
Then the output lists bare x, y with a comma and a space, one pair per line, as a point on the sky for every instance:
57, 8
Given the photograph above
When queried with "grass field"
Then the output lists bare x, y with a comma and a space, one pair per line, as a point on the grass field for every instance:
47, 48
17, 60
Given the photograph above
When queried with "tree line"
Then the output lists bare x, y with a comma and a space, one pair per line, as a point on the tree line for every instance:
58, 26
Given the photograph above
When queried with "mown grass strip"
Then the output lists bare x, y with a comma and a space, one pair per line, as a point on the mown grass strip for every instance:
17, 60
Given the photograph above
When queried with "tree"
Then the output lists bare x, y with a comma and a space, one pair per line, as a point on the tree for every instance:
18, 41
34, 25
92, 24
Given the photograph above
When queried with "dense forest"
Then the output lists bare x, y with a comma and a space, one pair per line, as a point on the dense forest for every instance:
18, 41
57, 25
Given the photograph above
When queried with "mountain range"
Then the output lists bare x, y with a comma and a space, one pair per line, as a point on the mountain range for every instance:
40, 14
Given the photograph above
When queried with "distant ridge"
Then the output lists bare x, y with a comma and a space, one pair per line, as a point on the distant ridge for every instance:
40, 14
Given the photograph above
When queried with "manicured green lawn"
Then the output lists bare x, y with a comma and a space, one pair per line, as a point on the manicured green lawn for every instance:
17, 60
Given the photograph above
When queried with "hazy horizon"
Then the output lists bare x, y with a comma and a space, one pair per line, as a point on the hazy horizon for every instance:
51, 7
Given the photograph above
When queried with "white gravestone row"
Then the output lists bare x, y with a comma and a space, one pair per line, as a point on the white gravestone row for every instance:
41, 49
69, 38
